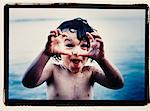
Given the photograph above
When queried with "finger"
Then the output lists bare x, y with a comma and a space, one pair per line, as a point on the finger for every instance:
101, 44
90, 36
98, 40
64, 52
95, 35
58, 36
55, 32
59, 32
84, 53
63, 34
49, 38
52, 33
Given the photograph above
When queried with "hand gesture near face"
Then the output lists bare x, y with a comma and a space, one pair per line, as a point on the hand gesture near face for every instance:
96, 50
55, 44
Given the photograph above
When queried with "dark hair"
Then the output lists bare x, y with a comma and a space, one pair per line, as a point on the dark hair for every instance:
81, 26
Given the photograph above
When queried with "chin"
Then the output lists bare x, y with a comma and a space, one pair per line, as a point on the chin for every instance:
75, 70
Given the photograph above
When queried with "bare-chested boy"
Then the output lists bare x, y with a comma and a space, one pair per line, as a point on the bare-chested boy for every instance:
74, 41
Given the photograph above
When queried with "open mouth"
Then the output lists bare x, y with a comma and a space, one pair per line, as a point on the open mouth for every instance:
76, 61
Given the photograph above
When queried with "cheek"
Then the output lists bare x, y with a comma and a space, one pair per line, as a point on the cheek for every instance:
69, 50
66, 58
84, 60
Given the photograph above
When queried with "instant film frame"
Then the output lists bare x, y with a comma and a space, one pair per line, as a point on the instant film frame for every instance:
124, 29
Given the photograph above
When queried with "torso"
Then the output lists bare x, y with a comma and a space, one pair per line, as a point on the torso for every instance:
66, 86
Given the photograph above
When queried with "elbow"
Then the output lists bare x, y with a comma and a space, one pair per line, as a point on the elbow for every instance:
28, 84
30, 79
119, 84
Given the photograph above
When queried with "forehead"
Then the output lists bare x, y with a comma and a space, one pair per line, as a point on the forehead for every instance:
72, 35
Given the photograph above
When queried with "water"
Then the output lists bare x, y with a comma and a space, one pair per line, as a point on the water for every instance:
133, 74
124, 46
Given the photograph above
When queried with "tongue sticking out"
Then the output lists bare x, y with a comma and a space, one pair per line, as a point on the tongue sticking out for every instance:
76, 64
75, 61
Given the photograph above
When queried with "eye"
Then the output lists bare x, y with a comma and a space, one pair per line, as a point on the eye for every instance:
84, 46
69, 45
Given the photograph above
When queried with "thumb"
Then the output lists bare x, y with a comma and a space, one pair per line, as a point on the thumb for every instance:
84, 53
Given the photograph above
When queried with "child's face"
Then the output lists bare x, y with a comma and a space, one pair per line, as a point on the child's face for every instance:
74, 62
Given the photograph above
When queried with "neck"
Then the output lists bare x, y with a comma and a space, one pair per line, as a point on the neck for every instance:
72, 71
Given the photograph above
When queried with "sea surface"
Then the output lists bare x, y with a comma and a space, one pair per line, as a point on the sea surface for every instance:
124, 47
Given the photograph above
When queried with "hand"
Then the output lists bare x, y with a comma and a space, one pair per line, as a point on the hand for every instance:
96, 50
55, 43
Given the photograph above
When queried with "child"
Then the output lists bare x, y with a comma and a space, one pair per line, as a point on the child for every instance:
74, 42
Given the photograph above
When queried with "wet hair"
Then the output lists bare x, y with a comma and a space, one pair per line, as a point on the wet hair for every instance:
80, 25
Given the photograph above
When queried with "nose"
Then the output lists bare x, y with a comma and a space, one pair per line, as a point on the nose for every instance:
76, 51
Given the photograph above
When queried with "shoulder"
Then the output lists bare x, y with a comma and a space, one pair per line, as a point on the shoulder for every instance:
87, 68
51, 66
55, 66
94, 69
90, 68
91, 72
58, 67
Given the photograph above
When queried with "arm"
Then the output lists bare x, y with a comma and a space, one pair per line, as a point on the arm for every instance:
40, 71
36, 73
111, 77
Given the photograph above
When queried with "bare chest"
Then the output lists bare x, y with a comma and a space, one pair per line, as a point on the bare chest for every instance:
67, 86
